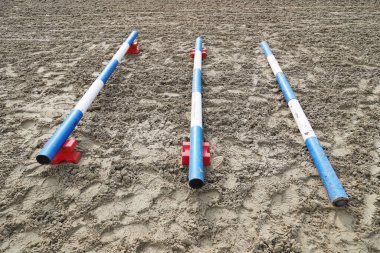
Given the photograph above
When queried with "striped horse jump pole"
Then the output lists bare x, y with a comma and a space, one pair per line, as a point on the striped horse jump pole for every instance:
51, 148
196, 154
330, 180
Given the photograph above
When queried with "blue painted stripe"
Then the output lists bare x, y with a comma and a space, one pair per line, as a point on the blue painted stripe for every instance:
196, 154
198, 44
108, 70
132, 37
61, 134
326, 172
197, 80
285, 87
264, 45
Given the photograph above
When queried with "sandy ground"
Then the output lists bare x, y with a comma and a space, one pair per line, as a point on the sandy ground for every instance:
129, 193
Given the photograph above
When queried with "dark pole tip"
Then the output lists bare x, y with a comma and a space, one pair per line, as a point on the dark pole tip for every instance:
43, 159
340, 202
196, 183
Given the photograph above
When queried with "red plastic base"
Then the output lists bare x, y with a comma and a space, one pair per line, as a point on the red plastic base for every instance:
133, 49
204, 53
67, 153
186, 153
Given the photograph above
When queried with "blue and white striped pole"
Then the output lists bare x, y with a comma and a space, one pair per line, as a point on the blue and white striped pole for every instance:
330, 180
55, 143
196, 174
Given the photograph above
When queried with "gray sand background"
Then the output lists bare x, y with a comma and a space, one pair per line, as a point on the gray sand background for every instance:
129, 193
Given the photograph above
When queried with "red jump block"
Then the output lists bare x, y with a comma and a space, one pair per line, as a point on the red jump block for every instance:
204, 53
186, 153
67, 153
133, 49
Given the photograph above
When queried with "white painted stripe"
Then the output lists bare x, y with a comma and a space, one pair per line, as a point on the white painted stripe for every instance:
274, 64
89, 96
198, 60
301, 120
196, 109
121, 52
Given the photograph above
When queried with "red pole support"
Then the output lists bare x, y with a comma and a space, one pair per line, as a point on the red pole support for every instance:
133, 49
67, 153
186, 153
204, 53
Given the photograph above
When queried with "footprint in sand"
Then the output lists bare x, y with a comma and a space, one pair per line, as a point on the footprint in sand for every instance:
26, 124
130, 232
285, 202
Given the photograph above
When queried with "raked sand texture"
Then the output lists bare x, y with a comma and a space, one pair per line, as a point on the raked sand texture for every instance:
129, 193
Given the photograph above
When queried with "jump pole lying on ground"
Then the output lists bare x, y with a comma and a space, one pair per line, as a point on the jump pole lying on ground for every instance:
330, 180
51, 148
196, 161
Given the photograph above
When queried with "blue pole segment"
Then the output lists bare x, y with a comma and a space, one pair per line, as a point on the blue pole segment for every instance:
108, 70
131, 38
264, 45
326, 172
285, 87
197, 80
328, 176
51, 148
55, 143
196, 173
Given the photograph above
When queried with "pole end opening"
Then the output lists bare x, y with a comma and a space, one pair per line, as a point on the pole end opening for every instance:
196, 183
43, 159
340, 202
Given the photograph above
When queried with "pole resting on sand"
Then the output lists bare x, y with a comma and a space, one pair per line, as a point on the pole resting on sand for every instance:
196, 154
51, 148
330, 180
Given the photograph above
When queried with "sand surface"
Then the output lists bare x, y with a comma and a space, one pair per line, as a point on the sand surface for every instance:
129, 193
